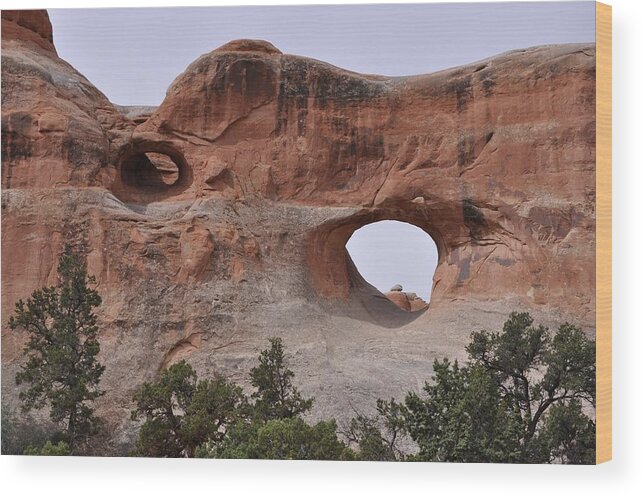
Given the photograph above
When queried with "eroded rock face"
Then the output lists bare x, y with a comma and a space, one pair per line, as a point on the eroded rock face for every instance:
279, 159
57, 129
409, 302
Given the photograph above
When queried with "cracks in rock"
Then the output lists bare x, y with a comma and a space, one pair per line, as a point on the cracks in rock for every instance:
490, 242
228, 344
388, 174
241, 118
186, 346
488, 137
192, 138
485, 259
182, 347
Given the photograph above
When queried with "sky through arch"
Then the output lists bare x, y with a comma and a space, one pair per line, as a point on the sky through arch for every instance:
390, 252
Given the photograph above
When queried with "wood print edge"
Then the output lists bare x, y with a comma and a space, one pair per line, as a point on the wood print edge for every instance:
603, 232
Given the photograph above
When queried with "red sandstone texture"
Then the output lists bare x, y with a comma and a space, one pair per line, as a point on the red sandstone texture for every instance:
409, 302
221, 219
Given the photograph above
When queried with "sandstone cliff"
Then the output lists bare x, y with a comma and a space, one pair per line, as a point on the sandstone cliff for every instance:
221, 219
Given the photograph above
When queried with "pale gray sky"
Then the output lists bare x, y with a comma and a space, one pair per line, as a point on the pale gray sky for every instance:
133, 55
391, 252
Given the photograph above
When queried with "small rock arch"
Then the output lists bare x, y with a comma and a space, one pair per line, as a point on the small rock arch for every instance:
150, 170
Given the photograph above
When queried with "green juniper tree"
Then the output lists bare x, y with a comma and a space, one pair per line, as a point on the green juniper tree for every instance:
60, 448
280, 439
186, 417
62, 370
535, 371
276, 397
462, 418
570, 434
518, 399
182, 413
274, 428
378, 437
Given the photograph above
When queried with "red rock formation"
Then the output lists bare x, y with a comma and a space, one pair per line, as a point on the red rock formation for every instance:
400, 299
279, 159
409, 302
494, 160
57, 128
29, 27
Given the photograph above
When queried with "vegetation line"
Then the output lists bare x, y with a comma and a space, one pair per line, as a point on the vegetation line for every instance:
523, 396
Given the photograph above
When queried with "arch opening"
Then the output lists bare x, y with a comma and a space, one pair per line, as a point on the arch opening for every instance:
150, 170
398, 259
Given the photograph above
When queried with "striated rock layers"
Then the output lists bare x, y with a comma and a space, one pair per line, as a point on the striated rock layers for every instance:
221, 219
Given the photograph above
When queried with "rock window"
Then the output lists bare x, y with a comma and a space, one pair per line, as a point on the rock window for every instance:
397, 258
150, 170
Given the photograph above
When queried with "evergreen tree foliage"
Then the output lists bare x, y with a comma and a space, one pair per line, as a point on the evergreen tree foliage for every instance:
377, 437
570, 434
181, 413
62, 370
281, 439
519, 399
49, 449
523, 396
276, 397
462, 418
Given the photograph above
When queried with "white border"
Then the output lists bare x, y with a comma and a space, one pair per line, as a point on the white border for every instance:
624, 475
